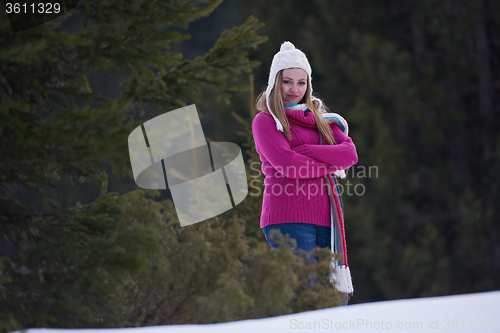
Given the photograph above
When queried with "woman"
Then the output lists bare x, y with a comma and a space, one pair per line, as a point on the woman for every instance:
302, 148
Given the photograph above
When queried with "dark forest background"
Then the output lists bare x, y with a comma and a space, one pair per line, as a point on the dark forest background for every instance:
82, 246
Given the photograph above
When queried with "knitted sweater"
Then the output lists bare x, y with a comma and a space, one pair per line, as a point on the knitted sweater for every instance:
295, 189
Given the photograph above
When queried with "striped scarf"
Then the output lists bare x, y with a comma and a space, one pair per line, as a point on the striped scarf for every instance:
340, 274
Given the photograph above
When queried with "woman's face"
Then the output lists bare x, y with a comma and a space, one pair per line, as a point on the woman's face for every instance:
293, 85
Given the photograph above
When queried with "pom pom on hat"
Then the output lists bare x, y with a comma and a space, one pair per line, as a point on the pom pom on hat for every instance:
287, 57
286, 46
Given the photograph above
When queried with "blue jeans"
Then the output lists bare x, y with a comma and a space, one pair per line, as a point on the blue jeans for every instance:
307, 236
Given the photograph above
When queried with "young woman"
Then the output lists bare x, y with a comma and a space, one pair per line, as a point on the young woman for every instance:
302, 149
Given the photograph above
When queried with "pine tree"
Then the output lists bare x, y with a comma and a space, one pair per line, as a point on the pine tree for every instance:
59, 263
123, 260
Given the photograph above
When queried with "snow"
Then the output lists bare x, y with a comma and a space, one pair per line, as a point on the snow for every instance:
479, 312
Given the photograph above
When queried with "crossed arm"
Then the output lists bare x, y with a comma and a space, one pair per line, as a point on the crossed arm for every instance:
318, 160
341, 155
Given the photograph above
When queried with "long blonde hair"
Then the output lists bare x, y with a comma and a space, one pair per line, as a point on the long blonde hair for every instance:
316, 106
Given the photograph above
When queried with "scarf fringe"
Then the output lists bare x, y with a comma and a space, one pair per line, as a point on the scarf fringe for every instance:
341, 277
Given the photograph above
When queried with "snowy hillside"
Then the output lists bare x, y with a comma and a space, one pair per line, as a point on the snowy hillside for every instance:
478, 312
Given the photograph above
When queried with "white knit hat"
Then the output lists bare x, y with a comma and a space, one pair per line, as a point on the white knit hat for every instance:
287, 57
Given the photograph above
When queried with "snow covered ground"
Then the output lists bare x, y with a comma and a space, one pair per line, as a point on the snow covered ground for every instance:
478, 312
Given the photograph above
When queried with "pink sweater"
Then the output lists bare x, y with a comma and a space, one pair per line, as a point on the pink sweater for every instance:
295, 188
